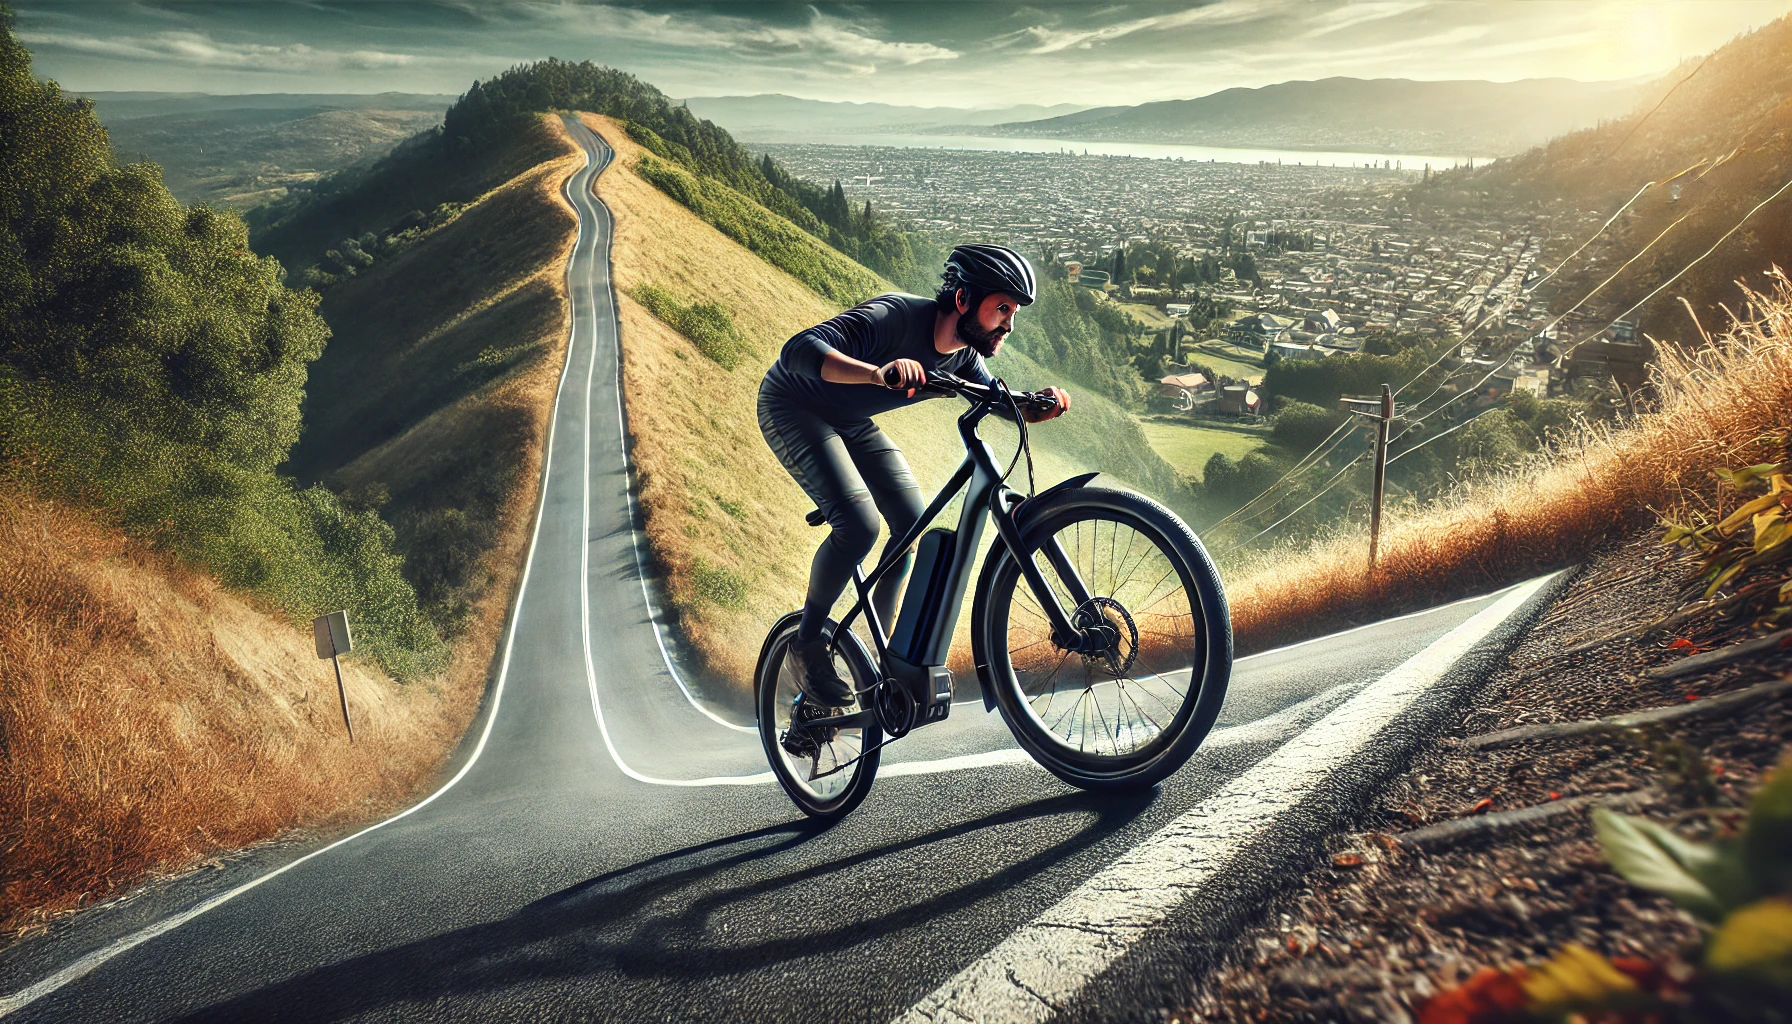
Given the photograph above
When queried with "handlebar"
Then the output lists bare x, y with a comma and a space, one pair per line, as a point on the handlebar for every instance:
943, 383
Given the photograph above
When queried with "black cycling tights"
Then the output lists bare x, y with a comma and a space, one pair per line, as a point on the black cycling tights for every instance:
852, 473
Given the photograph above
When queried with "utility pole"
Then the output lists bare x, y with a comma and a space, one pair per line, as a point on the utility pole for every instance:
1381, 470
1384, 419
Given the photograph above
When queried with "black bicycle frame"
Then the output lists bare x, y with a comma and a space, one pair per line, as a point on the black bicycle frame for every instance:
926, 678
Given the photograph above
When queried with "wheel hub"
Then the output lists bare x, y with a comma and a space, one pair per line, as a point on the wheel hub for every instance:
1109, 638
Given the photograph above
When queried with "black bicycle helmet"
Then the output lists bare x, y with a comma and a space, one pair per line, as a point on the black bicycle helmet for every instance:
982, 269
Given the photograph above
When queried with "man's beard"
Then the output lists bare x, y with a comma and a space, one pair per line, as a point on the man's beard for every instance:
986, 343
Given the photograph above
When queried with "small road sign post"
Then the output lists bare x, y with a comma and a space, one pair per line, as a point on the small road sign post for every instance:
333, 639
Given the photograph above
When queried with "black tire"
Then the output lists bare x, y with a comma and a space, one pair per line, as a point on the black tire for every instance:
1164, 726
832, 795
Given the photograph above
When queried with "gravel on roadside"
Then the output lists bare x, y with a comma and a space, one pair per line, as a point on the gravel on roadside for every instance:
1378, 927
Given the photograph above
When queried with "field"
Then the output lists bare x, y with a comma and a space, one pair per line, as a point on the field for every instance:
1188, 447
242, 157
1229, 359
1152, 317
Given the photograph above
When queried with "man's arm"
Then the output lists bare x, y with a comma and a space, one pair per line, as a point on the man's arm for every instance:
822, 350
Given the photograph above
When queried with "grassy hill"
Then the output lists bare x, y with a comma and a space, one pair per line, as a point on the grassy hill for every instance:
728, 530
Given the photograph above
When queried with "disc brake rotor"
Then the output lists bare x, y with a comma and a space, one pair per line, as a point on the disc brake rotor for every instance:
1110, 636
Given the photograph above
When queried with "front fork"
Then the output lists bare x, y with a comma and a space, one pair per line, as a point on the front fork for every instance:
1065, 633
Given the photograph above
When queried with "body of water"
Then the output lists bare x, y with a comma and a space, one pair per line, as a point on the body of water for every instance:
1148, 150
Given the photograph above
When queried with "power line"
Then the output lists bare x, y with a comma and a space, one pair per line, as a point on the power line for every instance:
1553, 323
1664, 98
1433, 437
1682, 272
1329, 484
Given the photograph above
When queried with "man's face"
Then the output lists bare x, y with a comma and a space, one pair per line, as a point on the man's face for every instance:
984, 328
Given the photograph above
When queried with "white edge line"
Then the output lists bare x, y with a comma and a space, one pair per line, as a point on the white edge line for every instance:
89, 962
1044, 964
1379, 622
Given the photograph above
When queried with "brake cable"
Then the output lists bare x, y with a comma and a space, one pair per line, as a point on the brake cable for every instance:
1026, 445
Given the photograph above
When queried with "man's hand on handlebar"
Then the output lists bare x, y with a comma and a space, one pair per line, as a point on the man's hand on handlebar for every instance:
902, 375
1039, 412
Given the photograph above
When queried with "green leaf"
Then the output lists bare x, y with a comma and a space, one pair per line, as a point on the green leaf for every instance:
1767, 839
1754, 944
1651, 857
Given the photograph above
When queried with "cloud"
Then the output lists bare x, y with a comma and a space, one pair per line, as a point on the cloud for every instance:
196, 49
831, 40
1340, 18
1040, 39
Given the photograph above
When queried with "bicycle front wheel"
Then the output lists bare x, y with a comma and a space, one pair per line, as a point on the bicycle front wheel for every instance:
1126, 702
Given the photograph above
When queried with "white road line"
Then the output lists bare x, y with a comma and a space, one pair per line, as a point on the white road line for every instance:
1367, 625
1044, 964
86, 964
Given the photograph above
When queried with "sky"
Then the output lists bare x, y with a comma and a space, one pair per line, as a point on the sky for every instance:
970, 53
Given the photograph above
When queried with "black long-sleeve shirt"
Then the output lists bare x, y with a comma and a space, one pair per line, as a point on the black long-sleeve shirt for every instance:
876, 331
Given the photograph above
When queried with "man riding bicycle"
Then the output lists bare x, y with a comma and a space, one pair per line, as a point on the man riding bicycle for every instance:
815, 410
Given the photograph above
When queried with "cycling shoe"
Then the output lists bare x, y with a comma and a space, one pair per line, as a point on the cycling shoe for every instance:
816, 675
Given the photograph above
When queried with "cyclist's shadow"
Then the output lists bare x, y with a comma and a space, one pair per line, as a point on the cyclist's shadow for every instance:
651, 921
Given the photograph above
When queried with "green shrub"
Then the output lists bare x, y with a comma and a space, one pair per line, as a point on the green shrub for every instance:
718, 585
707, 325
1299, 427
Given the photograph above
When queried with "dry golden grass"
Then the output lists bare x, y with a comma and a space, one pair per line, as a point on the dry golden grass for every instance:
149, 719
1729, 405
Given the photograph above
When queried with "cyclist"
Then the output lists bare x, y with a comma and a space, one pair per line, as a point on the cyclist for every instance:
815, 410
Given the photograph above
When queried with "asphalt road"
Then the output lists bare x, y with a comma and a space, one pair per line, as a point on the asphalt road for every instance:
615, 852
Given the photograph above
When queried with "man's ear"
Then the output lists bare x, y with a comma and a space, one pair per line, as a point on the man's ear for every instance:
958, 300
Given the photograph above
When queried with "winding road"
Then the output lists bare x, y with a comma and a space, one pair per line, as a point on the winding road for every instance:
611, 847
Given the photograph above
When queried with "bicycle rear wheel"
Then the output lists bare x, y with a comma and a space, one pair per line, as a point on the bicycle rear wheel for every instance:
825, 770
1130, 710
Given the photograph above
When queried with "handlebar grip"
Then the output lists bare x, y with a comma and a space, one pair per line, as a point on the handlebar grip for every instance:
892, 379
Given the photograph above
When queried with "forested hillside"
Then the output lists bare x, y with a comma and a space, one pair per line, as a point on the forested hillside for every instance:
160, 697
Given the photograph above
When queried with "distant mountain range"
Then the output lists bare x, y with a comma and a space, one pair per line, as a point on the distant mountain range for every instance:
1469, 118
773, 114
121, 106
